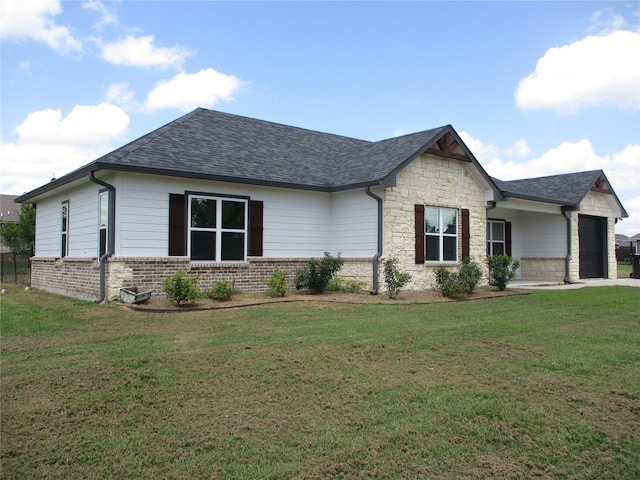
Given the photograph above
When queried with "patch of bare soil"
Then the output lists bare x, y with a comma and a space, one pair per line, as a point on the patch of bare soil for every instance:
163, 304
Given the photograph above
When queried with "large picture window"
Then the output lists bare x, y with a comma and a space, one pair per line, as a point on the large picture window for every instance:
64, 231
496, 238
441, 232
217, 228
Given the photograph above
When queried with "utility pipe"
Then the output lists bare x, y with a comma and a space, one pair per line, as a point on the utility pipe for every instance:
111, 233
376, 257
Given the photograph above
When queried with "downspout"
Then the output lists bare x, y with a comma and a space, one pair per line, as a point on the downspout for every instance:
376, 257
567, 259
111, 234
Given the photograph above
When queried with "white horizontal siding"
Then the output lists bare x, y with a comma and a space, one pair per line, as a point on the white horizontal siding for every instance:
354, 224
82, 223
534, 234
296, 223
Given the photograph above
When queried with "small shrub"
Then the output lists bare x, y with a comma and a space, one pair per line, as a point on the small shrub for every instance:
394, 278
181, 288
469, 275
318, 273
221, 291
502, 269
448, 282
277, 284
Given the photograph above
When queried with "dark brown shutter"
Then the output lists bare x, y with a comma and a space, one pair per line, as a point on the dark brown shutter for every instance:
507, 238
177, 225
419, 229
465, 232
256, 209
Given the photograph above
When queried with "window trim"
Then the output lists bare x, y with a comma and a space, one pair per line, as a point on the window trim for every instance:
64, 229
103, 229
218, 229
491, 241
441, 235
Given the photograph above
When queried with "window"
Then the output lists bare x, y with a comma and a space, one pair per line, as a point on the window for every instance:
103, 222
441, 232
217, 228
64, 250
496, 239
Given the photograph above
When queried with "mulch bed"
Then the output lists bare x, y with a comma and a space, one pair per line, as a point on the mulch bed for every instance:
163, 305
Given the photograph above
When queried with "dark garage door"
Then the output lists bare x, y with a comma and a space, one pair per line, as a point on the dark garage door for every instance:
593, 246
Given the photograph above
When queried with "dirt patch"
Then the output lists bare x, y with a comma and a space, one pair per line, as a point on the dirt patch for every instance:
162, 304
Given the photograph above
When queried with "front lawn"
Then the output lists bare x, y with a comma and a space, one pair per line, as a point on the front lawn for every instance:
543, 385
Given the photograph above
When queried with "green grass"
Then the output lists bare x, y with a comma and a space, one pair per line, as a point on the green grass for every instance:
541, 385
624, 269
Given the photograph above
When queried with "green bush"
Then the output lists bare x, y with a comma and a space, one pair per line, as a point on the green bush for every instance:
394, 278
221, 291
181, 288
502, 269
448, 282
277, 284
318, 273
453, 284
469, 274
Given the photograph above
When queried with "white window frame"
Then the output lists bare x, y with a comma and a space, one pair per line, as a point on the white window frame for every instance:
491, 241
64, 229
218, 229
441, 235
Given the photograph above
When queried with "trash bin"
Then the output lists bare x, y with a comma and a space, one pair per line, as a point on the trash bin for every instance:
635, 265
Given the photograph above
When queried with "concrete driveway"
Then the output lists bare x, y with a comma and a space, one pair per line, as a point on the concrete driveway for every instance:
595, 282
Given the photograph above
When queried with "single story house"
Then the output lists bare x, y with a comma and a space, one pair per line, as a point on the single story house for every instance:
230, 198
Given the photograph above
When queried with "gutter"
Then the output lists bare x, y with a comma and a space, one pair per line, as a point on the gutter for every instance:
111, 234
376, 257
567, 259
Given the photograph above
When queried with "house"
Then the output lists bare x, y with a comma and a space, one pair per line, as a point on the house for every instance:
230, 198
9, 213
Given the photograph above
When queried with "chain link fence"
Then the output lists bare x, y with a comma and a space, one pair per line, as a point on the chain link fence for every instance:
15, 267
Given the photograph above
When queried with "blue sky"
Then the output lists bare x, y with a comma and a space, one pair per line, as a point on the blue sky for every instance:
534, 88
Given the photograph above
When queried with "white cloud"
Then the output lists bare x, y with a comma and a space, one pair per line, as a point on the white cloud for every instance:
49, 143
141, 52
595, 70
107, 17
120, 94
622, 169
187, 91
34, 19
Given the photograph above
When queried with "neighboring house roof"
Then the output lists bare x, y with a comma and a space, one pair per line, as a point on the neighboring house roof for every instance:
568, 189
9, 210
220, 146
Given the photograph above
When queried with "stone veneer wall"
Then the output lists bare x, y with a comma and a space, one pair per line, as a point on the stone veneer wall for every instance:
543, 269
439, 182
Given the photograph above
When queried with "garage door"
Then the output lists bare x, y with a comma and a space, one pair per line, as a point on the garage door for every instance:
593, 246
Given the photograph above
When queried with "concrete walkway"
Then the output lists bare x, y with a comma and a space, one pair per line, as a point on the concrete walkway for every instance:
595, 282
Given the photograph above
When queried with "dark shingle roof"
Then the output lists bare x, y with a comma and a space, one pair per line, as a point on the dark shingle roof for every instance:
566, 189
221, 146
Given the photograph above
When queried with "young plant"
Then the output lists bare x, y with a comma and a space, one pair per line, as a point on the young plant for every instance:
277, 284
502, 269
394, 278
181, 288
221, 291
318, 273
469, 275
447, 282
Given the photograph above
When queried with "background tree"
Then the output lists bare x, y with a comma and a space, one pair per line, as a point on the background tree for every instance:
21, 235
